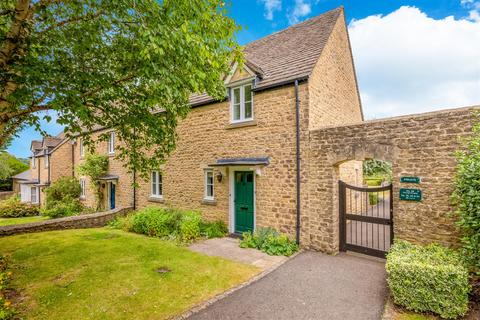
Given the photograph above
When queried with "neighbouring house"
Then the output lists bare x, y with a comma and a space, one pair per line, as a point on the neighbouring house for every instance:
51, 159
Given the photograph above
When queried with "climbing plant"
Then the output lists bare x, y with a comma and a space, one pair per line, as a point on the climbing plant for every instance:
94, 167
466, 197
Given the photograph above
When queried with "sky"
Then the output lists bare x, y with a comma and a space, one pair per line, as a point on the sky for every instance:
410, 56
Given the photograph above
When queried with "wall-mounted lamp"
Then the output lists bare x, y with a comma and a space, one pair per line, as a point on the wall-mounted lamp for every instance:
219, 176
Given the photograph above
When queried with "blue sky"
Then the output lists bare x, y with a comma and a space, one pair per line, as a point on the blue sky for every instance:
410, 56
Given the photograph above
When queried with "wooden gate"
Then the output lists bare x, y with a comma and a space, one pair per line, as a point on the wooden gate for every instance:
366, 219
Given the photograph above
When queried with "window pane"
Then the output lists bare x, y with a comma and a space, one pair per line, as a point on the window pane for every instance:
248, 93
236, 95
210, 190
154, 183
236, 112
160, 184
248, 110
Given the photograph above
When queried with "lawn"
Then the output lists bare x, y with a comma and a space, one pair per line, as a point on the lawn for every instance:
10, 221
111, 274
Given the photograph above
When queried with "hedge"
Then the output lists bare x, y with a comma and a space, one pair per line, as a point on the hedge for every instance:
428, 279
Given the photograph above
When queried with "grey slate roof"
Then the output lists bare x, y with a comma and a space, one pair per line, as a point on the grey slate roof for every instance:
51, 142
36, 145
25, 175
241, 161
288, 54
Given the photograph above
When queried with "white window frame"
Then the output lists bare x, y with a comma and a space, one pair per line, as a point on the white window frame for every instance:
82, 148
206, 185
242, 102
34, 161
83, 185
111, 143
158, 184
33, 195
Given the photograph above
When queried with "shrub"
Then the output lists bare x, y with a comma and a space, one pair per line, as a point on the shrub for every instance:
95, 166
373, 199
466, 198
428, 278
190, 226
216, 229
63, 208
63, 187
269, 241
6, 309
183, 226
14, 208
62, 198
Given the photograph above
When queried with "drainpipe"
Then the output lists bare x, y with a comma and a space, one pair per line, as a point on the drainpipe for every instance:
297, 124
135, 173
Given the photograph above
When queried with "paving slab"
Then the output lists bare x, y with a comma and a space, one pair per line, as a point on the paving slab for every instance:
229, 248
309, 286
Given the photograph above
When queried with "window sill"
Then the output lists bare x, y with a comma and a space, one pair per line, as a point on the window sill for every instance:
111, 154
248, 123
83, 198
156, 199
210, 202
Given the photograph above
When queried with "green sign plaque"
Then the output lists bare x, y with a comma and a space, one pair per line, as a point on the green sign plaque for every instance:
408, 194
410, 179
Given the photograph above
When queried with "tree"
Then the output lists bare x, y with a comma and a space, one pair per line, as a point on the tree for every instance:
10, 166
130, 65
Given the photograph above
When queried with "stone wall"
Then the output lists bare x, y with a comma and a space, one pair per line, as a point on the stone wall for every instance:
6, 194
333, 94
94, 220
418, 145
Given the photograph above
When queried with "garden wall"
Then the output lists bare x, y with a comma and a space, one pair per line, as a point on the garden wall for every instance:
417, 145
6, 194
94, 220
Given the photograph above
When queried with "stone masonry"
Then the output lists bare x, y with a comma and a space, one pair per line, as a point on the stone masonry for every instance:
418, 145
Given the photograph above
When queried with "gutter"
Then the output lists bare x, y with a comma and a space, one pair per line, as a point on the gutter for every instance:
297, 127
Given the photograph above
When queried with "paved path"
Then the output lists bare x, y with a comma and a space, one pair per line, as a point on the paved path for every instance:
229, 248
310, 286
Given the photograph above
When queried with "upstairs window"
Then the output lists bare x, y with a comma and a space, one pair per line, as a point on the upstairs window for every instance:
34, 161
209, 189
82, 149
157, 187
242, 103
111, 143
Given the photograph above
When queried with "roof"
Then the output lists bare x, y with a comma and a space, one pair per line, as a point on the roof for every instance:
36, 145
241, 162
288, 54
109, 177
25, 175
51, 142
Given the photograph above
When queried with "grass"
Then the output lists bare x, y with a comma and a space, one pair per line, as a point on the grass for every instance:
10, 221
111, 274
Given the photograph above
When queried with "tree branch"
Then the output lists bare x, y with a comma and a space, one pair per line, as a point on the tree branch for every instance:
86, 17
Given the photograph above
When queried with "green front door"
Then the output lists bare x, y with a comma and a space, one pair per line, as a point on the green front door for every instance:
243, 201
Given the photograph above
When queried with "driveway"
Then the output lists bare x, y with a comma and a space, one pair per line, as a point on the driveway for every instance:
310, 286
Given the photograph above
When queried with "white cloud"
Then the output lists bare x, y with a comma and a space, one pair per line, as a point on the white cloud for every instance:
270, 7
408, 62
474, 5
301, 9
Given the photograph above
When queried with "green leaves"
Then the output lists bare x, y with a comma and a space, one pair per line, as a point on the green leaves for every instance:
466, 197
115, 63
428, 279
